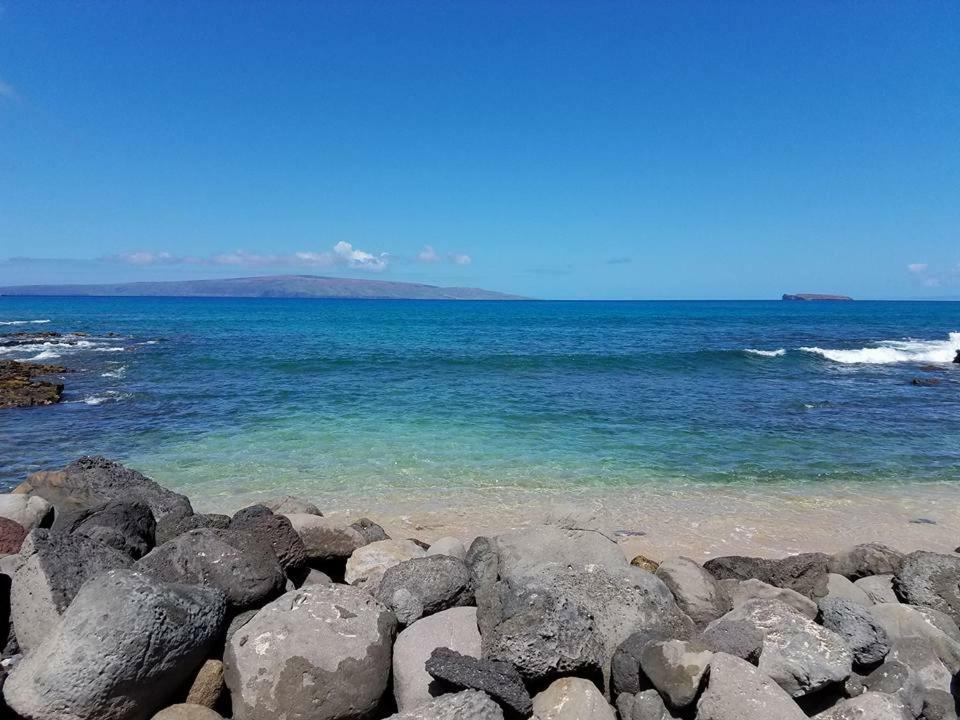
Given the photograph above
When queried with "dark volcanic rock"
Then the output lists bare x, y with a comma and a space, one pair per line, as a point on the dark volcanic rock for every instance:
895, 678
18, 388
865, 560
734, 637
53, 568
125, 526
12, 535
247, 572
127, 643
276, 531
171, 526
925, 382
805, 573
499, 680
423, 586
625, 674
930, 579
90, 481
854, 623
938, 705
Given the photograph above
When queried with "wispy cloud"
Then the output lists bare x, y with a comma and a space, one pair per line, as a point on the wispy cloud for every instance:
917, 267
934, 277
460, 259
428, 254
342, 254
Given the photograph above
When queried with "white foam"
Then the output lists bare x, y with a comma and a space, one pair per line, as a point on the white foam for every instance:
45, 355
767, 353
108, 349
118, 373
44, 346
895, 351
23, 322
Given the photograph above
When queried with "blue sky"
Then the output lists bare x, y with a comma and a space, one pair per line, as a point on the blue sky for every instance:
554, 149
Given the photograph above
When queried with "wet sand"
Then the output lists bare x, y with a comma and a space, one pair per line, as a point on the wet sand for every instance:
699, 521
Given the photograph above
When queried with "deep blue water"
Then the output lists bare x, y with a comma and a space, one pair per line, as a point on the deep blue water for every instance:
224, 395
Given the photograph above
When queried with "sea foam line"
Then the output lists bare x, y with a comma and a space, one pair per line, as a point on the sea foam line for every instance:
23, 322
894, 351
766, 353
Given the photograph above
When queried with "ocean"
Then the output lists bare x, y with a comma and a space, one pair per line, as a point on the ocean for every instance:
227, 399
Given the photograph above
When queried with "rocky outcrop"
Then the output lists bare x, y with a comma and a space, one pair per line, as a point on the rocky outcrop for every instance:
501, 681
805, 573
425, 585
19, 386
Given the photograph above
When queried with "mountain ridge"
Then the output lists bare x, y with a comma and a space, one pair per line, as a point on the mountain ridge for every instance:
276, 286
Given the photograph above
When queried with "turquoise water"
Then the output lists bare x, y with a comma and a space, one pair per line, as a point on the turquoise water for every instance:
227, 396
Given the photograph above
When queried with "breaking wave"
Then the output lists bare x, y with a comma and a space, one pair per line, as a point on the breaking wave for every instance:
895, 351
766, 353
23, 322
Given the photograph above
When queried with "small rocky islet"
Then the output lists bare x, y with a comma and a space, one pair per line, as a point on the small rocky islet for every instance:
119, 602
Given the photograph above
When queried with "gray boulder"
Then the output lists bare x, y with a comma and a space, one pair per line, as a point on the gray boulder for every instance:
246, 571
930, 579
289, 504
125, 526
677, 669
146, 640
28, 511
644, 705
91, 481
938, 705
918, 655
466, 705
330, 539
321, 653
501, 681
903, 622
839, 587
895, 678
266, 528
187, 711
367, 565
734, 637
425, 585
801, 656
754, 589
532, 549
626, 677
173, 526
739, 691
448, 546
52, 568
806, 573
864, 560
872, 705
879, 588
572, 698
455, 628
864, 634
559, 621
697, 592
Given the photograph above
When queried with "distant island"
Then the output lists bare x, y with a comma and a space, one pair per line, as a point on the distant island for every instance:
814, 296
275, 286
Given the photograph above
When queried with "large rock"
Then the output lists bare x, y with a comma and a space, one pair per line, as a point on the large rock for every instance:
938, 705
677, 669
125, 526
644, 705
806, 573
425, 585
266, 528
187, 711
90, 481
872, 705
865, 560
930, 579
626, 677
12, 535
839, 587
697, 592
801, 656
29, 511
52, 568
329, 539
739, 691
904, 622
367, 564
879, 588
207, 686
853, 622
572, 698
895, 678
919, 655
127, 643
247, 572
321, 653
171, 527
455, 629
455, 671
734, 637
466, 705
289, 504
754, 589
559, 621
448, 546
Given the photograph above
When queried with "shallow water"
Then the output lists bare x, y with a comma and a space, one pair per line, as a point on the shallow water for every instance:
440, 405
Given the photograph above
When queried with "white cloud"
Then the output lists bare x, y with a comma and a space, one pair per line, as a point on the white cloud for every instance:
917, 267
359, 258
460, 258
147, 258
428, 254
